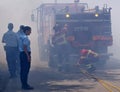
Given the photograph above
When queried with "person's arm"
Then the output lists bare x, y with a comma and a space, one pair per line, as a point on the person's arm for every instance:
4, 42
25, 50
3, 39
93, 53
25, 44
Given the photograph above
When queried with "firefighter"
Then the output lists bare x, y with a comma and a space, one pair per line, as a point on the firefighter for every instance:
61, 45
88, 59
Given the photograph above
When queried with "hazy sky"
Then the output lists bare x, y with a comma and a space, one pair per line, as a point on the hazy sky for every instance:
19, 12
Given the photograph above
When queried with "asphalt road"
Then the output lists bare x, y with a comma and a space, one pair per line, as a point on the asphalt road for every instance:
46, 80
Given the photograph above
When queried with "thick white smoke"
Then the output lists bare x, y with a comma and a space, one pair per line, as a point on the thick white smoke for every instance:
19, 12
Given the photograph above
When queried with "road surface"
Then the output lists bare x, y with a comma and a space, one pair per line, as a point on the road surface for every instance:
46, 80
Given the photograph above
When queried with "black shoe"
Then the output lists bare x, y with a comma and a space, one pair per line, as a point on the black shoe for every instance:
27, 88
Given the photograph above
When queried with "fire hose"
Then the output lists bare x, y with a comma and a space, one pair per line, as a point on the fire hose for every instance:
107, 85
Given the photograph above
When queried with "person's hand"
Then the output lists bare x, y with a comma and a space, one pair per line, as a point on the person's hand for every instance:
96, 55
29, 58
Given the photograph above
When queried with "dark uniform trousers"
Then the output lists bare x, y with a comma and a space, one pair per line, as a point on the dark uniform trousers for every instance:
11, 54
25, 67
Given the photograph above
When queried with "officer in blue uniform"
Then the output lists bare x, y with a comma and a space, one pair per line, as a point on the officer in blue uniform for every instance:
11, 47
25, 58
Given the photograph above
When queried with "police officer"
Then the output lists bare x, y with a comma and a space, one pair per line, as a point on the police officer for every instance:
19, 34
25, 58
20, 31
11, 48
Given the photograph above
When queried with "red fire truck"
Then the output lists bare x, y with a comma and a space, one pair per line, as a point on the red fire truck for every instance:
91, 29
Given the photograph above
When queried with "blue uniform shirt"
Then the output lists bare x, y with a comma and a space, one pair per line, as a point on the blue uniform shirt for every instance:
10, 39
24, 40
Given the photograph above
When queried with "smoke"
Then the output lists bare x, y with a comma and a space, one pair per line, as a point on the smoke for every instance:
19, 12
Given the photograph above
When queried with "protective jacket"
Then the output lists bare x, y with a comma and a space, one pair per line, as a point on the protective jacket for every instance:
87, 55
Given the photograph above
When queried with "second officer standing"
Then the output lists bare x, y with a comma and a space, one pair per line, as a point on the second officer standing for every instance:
25, 58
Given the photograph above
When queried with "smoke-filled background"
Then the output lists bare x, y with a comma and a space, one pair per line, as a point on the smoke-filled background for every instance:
19, 12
